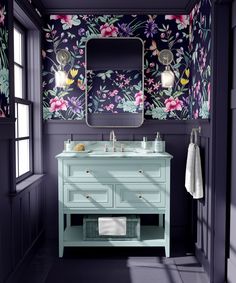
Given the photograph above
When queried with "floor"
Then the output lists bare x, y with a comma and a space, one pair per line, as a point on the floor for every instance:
108, 265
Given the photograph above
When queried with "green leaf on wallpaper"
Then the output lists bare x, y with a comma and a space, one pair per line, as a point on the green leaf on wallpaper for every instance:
209, 70
167, 92
51, 81
46, 113
4, 81
177, 93
138, 87
70, 35
209, 45
103, 19
157, 113
204, 111
136, 76
105, 75
129, 106
178, 60
177, 74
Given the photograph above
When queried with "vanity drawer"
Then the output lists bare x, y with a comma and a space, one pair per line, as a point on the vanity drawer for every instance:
140, 195
88, 195
121, 170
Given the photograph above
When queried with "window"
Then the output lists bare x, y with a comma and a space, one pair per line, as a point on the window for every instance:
23, 107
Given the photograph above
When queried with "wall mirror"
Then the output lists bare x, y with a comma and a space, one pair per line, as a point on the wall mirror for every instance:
115, 82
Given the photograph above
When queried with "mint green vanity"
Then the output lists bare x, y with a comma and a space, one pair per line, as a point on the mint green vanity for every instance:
129, 182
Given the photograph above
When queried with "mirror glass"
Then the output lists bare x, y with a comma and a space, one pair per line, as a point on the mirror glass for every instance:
115, 80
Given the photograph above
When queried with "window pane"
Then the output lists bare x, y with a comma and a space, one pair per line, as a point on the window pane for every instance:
17, 169
23, 120
17, 47
18, 81
23, 157
16, 116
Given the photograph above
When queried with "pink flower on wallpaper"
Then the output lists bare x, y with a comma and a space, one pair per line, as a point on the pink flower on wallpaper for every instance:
108, 30
2, 16
139, 98
57, 103
109, 107
183, 20
196, 89
173, 104
2, 114
113, 93
65, 19
196, 114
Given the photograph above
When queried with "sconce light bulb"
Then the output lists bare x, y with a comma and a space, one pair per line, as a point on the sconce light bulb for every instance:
167, 78
60, 79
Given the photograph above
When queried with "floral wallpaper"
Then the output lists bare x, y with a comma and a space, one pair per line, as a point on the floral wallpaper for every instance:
157, 32
187, 36
114, 91
4, 66
200, 67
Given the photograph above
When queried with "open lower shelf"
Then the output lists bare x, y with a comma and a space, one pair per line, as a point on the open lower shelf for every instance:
151, 236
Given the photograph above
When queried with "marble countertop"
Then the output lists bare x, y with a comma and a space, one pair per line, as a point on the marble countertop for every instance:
97, 149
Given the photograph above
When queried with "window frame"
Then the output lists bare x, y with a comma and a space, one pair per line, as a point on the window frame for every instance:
23, 101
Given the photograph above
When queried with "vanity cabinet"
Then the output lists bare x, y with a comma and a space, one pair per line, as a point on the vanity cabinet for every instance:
137, 184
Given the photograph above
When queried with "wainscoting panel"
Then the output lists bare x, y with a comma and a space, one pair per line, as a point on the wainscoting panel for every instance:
21, 214
177, 136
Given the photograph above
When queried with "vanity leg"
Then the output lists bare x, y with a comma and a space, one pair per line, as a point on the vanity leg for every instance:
68, 220
61, 232
161, 222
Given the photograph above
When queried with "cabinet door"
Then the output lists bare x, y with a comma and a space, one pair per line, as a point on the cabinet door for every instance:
88, 196
144, 195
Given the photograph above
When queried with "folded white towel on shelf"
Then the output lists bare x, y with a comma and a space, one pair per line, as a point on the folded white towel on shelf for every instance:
112, 226
193, 174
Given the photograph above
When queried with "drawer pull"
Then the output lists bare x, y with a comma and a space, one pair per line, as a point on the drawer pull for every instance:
139, 196
140, 171
88, 171
87, 196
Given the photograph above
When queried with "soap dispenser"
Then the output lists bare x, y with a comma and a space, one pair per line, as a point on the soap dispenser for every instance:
159, 144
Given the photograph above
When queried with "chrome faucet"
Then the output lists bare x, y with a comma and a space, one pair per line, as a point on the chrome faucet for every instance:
113, 139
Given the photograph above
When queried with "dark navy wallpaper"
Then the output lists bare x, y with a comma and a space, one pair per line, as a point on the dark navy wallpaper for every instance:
200, 67
114, 91
4, 65
179, 33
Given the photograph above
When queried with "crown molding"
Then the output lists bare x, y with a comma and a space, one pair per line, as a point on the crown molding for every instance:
116, 11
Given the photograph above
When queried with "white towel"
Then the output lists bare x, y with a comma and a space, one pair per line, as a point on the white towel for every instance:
112, 226
193, 174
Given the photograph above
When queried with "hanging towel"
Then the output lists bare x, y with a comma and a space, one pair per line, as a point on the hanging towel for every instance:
193, 174
112, 226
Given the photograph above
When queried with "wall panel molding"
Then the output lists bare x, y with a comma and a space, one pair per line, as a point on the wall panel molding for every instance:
233, 99
79, 127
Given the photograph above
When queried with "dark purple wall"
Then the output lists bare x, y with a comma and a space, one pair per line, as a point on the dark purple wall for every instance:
232, 230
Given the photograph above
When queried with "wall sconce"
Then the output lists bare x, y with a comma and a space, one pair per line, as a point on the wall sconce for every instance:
167, 77
63, 58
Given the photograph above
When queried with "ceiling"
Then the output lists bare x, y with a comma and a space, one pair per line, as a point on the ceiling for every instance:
121, 5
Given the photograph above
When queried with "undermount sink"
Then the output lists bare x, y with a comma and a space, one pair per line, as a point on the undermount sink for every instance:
111, 153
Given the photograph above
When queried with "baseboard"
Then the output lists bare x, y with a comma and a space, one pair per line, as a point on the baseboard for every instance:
13, 278
231, 271
203, 260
